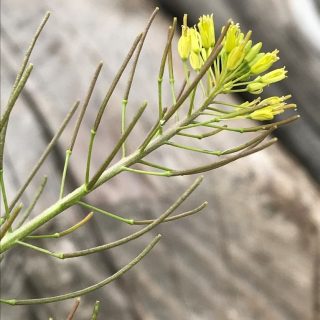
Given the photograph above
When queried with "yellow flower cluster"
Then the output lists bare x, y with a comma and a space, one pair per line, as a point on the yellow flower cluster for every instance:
240, 65
271, 106
236, 63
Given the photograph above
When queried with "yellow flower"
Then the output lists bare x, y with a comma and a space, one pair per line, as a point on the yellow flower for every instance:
265, 62
195, 61
184, 43
232, 37
206, 29
274, 76
235, 57
196, 43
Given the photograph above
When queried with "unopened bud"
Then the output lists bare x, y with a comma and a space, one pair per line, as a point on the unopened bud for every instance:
184, 43
195, 61
274, 76
231, 37
265, 62
256, 87
253, 52
196, 43
206, 29
235, 58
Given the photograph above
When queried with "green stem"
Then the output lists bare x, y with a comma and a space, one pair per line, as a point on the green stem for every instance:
176, 217
123, 124
4, 196
89, 155
34, 202
44, 154
117, 147
151, 173
95, 312
65, 232
154, 165
15, 96
87, 290
8, 224
36, 248
65, 168
193, 95
111, 215
74, 309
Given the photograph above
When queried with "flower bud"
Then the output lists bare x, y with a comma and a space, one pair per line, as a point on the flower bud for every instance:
272, 100
253, 52
274, 76
195, 61
265, 62
262, 114
196, 43
256, 87
248, 46
235, 58
275, 100
206, 29
184, 43
231, 39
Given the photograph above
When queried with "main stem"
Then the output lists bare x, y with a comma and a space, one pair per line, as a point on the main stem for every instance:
69, 200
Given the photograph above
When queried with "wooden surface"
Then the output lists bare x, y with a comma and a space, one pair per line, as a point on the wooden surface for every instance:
251, 255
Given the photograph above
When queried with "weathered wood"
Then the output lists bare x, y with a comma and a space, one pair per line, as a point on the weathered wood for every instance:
250, 255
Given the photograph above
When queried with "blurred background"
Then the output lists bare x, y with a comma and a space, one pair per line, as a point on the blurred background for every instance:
252, 254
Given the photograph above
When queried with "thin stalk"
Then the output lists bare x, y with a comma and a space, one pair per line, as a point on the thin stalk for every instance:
162, 66
154, 165
171, 74
34, 202
85, 105
189, 148
150, 173
117, 147
89, 156
123, 123
218, 110
64, 173
184, 84
193, 95
176, 217
87, 290
95, 312
44, 155
29, 50
132, 73
121, 241
201, 136
4, 196
115, 82
255, 128
141, 232
74, 309
106, 213
15, 95
36, 248
65, 232
221, 163
7, 225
